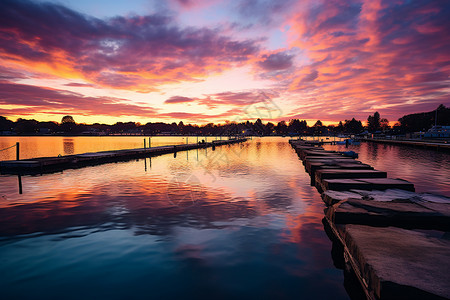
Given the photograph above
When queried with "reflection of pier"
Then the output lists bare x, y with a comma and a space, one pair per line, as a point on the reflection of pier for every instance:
50, 164
377, 224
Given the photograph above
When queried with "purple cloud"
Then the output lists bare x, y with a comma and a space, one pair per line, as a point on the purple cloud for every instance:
77, 84
276, 61
119, 52
178, 99
37, 99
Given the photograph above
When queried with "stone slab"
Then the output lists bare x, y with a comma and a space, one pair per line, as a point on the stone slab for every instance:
388, 195
364, 184
331, 197
398, 263
327, 158
311, 166
399, 213
348, 173
305, 153
337, 167
427, 199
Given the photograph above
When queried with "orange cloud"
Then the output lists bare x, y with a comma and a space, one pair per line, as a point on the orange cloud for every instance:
369, 54
134, 53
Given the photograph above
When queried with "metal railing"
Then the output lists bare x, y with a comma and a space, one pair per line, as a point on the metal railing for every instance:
17, 145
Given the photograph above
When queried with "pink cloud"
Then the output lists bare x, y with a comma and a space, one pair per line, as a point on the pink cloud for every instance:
132, 52
178, 99
371, 55
36, 99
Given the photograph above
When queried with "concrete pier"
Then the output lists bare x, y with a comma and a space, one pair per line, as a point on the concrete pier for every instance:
396, 263
395, 241
364, 184
51, 164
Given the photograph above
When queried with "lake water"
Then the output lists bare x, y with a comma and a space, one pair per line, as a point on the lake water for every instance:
40, 146
239, 222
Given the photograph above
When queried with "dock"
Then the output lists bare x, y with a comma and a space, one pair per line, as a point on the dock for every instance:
393, 240
438, 145
52, 164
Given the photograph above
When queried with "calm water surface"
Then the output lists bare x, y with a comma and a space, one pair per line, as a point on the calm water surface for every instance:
40, 146
239, 222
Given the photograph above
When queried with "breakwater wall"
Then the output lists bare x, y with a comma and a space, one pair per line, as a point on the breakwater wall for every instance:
395, 241
438, 145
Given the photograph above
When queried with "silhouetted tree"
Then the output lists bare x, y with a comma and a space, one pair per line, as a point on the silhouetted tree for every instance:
51, 126
258, 127
353, 126
373, 122
384, 124
318, 127
68, 124
425, 120
281, 128
67, 119
5, 124
297, 126
340, 127
398, 129
23, 126
270, 128
180, 127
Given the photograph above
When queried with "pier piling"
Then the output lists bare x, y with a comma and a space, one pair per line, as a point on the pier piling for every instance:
17, 151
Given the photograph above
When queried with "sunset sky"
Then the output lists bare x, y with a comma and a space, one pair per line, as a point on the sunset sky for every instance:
215, 61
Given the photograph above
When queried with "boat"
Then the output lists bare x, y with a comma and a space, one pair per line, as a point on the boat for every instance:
348, 142
438, 131
351, 154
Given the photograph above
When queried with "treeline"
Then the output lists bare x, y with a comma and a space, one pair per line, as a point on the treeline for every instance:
68, 126
375, 124
425, 120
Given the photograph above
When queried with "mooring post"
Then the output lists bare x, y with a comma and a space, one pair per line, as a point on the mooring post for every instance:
20, 184
17, 151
